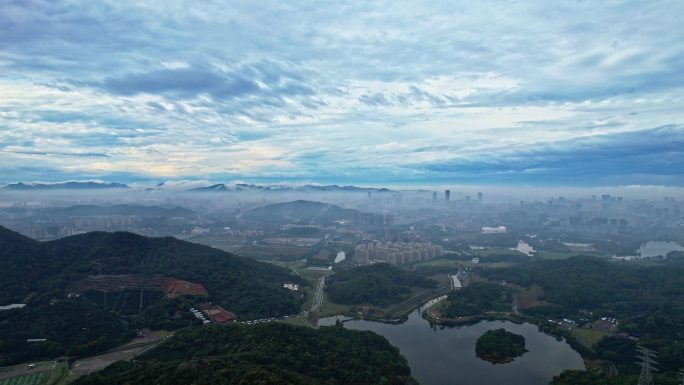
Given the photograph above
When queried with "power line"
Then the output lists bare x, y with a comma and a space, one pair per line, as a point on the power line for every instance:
647, 362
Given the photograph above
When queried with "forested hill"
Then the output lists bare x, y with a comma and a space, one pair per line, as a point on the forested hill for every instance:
300, 211
647, 299
584, 282
37, 272
263, 355
378, 284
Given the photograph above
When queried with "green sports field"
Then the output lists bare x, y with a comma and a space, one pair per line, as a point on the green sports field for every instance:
37, 378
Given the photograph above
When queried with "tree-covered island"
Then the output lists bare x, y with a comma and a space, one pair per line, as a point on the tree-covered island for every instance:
500, 346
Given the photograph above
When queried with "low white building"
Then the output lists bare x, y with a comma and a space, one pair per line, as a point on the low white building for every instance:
291, 286
494, 230
455, 282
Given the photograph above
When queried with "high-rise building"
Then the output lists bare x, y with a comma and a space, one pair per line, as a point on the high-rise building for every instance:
389, 220
447, 195
434, 196
396, 253
479, 196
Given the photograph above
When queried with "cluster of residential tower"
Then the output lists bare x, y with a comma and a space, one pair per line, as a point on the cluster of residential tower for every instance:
396, 253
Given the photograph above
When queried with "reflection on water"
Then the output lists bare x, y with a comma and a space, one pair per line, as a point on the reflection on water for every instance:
447, 355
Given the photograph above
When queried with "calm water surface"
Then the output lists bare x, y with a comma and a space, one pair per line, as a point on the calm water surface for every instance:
446, 356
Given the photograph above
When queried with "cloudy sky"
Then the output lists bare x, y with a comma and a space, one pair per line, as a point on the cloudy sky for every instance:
369, 92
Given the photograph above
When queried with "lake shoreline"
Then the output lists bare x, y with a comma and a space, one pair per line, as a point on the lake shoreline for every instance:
436, 354
585, 352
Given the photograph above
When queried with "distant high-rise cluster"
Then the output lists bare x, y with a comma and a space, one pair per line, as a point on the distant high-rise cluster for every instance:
396, 253
373, 219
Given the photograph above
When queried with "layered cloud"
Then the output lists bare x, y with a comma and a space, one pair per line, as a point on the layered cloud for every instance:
650, 157
483, 92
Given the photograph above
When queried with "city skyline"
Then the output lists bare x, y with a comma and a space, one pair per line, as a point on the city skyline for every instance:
488, 93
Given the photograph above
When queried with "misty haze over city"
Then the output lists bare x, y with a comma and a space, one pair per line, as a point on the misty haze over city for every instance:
262, 192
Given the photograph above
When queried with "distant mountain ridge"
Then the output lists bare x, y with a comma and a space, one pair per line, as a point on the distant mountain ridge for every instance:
65, 186
96, 210
222, 187
217, 187
300, 211
122, 209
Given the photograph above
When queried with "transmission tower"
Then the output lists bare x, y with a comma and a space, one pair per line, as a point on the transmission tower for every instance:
647, 362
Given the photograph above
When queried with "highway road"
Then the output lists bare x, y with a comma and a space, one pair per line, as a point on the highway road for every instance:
611, 369
318, 298
515, 304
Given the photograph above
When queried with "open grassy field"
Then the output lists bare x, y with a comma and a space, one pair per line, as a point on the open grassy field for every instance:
313, 275
242, 247
324, 255
37, 378
297, 321
499, 265
265, 252
59, 375
329, 309
38, 374
552, 255
220, 241
300, 269
443, 262
293, 265
495, 251
443, 279
589, 336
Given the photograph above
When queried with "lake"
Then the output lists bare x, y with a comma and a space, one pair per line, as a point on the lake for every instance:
656, 248
446, 355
